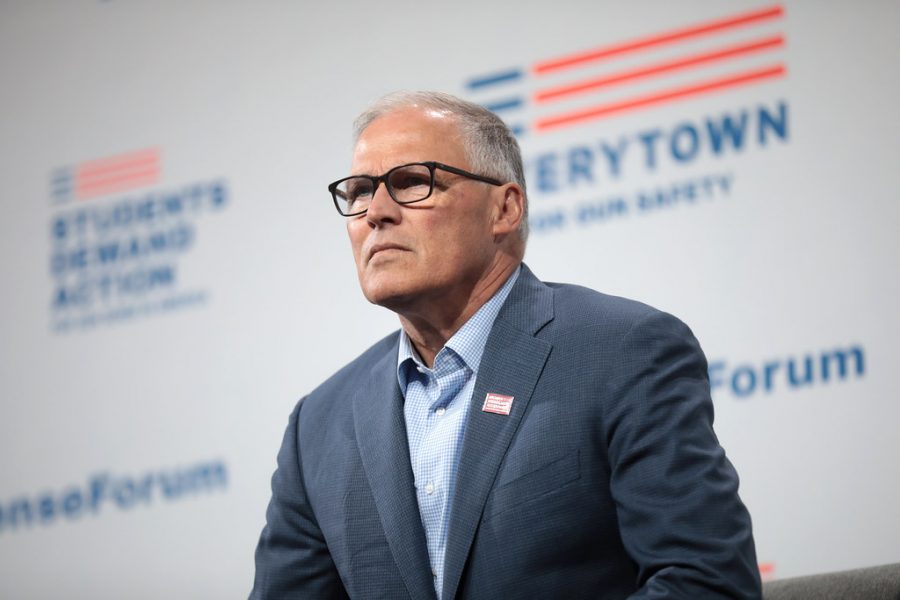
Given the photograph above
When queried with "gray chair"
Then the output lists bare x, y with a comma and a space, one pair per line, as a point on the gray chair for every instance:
871, 583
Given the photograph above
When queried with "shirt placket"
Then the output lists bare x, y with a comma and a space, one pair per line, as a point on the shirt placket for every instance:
432, 471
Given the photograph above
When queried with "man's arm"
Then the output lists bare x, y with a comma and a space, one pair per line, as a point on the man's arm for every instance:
679, 513
292, 559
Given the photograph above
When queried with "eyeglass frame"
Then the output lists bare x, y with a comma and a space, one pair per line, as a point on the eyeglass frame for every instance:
377, 179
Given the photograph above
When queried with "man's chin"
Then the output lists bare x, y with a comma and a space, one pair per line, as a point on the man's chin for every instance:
389, 294
386, 276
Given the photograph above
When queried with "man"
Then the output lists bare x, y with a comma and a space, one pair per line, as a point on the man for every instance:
514, 439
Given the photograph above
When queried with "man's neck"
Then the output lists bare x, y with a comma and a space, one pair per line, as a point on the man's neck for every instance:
430, 326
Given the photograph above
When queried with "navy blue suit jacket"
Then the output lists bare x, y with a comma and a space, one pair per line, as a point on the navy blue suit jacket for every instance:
604, 481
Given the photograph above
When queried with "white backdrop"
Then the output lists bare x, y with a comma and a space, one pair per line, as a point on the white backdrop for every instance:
175, 276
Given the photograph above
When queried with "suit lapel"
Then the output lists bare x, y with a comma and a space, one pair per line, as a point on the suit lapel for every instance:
511, 365
381, 435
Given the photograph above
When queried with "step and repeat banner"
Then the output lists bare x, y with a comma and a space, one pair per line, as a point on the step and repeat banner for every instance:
175, 276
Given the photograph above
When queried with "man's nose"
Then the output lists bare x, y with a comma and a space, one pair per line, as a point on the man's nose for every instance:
382, 208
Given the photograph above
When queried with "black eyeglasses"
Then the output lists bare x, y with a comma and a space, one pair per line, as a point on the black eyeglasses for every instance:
405, 184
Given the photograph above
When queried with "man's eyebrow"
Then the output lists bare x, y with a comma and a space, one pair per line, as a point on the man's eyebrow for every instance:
403, 164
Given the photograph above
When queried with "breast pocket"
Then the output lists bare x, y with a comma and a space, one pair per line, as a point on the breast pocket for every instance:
537, 483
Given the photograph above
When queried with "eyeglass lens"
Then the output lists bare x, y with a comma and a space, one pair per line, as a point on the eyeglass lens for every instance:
408, 183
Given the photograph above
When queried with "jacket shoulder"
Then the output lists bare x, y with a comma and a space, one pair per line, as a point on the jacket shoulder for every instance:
578, 306
337, 390
585, 316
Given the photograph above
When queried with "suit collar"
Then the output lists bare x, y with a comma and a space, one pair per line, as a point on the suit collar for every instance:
383, 447
530, 304
512, 364
469, 341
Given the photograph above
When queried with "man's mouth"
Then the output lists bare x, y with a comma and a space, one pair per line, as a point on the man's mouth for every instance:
378, 248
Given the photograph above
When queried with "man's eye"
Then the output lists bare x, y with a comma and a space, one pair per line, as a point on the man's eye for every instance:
409, 180
358, 192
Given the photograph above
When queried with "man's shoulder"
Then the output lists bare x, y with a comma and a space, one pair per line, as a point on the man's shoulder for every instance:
560, 312
582, 314
569, 300
361, 366
578, 306
347, 380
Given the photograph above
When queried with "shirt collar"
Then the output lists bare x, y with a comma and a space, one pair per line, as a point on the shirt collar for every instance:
468, 342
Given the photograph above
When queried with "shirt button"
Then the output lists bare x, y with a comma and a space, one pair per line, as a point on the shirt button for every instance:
429, 488
440, 411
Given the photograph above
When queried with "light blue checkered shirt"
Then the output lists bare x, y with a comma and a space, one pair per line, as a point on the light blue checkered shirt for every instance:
436, 404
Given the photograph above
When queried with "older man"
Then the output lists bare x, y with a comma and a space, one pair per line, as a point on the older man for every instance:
514, 439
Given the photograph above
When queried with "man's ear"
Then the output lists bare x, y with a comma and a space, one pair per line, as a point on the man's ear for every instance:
510, 209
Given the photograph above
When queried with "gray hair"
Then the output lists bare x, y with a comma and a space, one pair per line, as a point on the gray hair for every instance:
490, 146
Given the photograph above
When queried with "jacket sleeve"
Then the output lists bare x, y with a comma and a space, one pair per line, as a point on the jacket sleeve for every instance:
676, 493
292, 558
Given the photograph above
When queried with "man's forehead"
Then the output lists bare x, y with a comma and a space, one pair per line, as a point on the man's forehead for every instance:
436, 113
408, 135
410, 120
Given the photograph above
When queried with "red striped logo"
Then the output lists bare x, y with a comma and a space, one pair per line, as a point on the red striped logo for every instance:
667, 66
109, 175
117, 173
